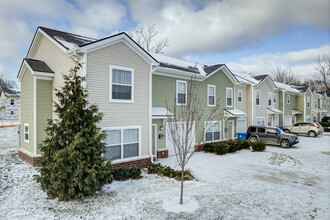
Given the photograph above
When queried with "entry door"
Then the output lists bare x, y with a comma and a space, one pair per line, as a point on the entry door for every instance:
181, 131
230, 126
270, 121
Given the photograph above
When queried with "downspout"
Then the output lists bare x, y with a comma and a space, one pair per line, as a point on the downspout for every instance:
283, 103
150, 113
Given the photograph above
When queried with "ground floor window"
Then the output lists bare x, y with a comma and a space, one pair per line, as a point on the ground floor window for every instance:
122, 143
260, 121
212, 131
26, 133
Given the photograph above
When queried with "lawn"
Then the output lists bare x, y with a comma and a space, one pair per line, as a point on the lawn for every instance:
275, 184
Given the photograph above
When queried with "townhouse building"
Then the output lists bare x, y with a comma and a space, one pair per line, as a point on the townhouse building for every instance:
10, 103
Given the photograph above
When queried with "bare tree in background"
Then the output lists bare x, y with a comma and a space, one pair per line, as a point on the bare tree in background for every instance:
146, 37
4, 83
284, 75
183, 123
323, 69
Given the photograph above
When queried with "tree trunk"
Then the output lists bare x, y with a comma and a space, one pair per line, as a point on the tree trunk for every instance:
181, 195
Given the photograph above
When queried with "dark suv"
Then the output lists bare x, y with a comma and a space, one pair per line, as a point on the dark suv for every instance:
326, 119
271, 135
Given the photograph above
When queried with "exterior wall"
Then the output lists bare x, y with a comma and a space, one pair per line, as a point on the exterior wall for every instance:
44, 108
161, 143
164, 89
261, 110
308, 110
120, 114
27, 85
281, 106
301, 106
289, 107
57, 60
277, 104
241, 106
250, 105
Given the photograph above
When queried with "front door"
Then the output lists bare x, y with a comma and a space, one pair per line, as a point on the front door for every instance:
230, 126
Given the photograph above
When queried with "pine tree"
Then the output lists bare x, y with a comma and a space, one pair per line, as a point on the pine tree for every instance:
72, 165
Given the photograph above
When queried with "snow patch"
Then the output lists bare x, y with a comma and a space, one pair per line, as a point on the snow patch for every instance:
190, 204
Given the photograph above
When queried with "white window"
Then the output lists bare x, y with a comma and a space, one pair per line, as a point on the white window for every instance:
26, 133
212, 131
181, 92
121, 84
275, 99
12, 102
229, 97
260, 121
211, 95
288, 99
308, 101
258, 97
239, 96
122, 143
270, 97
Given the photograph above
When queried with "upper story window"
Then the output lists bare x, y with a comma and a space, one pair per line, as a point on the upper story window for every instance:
308, 101
229, 97
275, 98
270, 97
211, 95
288, 99
258, 97
239, 96
121, 84
11, 112
181, 92
26, 133
12, 101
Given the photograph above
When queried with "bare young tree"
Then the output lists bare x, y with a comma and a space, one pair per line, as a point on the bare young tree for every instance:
146, 37
4, 83
284, 75
183, 123
322, 67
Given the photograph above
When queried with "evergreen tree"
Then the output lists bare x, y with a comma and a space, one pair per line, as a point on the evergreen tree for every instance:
72, 166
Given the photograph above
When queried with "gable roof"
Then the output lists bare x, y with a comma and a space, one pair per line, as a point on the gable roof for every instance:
263, 78
260, 77
38, 65
286, 87
302, 88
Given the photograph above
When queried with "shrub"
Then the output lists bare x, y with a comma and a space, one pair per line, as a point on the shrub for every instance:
326, 129
168, 172
122, 174
325, 124
221, 148
243, 145
233, 146
209, 147
258, 146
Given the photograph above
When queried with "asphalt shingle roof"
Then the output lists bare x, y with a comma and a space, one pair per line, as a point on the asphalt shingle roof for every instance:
210, 69
38, 65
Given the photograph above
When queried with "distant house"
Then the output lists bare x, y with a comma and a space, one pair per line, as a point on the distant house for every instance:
10, 103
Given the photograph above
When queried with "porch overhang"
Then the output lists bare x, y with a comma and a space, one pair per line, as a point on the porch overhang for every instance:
228, 113
274, 111
296, 112
161, 113
321, 110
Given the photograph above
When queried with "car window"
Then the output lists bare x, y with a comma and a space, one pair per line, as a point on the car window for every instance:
296, 125
279, 131
253, 129
261, 130
271, 131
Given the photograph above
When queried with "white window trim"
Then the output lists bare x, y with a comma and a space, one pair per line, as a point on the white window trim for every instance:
26, 125
177, 89
257, 91
288, 99
239, 92
271, 98
211, 86
264, 119
232, 95
121, 143
110, 84
205, 122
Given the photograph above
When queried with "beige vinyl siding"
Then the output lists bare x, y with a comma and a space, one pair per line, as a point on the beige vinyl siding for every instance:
276, 105
44, 108
161, 143
300, 106
120, 114
250, 105
27, 85
261, 111
241, 106
57, 60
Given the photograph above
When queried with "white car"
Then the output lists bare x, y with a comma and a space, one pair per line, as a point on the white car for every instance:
311, 129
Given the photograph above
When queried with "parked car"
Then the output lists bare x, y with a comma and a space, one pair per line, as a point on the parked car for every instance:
311, 129
326, 119
271, 135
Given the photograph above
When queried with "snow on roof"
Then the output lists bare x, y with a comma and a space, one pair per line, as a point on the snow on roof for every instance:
275, 110
286, 87
236, 112
246, 78
158, 112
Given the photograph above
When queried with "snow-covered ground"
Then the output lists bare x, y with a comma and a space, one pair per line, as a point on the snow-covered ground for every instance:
276, 184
